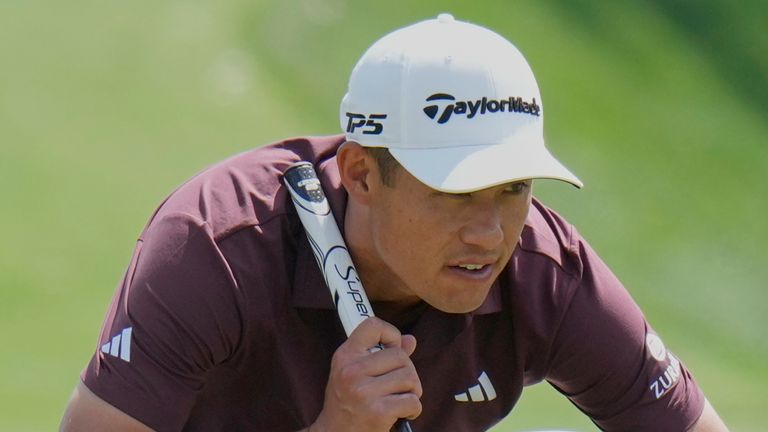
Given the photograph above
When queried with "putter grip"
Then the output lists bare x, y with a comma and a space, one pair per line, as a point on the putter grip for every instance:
401, 425
330, 252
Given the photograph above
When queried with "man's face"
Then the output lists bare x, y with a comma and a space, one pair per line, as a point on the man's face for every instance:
445, 249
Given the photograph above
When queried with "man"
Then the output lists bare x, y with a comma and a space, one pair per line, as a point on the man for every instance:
222, 321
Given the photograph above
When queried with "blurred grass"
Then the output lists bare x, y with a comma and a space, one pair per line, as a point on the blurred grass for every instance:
659, 107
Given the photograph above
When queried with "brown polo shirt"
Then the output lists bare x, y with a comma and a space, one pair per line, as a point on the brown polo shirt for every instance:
222, 321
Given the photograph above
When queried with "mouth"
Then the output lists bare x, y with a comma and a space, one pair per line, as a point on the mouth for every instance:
472, 271
472, 267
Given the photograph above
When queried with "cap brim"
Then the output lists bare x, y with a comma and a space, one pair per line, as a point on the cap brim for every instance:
470, 168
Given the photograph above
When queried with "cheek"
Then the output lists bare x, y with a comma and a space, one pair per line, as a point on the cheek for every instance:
514, 220
401, 235
412, 241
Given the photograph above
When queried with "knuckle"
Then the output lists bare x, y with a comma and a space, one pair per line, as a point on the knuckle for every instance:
382, 326
412, 406
416, 401
413, 376
417, 389
417, 408
356, 395
339, 358
377, 324
348, 375
414, 382
401, 356
405, 355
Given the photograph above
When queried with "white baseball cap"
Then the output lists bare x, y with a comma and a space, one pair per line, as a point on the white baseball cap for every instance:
455, 103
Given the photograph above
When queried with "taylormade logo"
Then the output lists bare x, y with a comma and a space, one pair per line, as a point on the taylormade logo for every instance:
483, 106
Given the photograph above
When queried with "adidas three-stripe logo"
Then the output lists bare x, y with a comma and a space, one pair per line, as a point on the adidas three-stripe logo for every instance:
478, 393
120, 345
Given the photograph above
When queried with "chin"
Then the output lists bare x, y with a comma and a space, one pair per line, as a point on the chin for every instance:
460, 307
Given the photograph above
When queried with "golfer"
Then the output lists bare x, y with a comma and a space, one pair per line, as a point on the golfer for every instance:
223, 322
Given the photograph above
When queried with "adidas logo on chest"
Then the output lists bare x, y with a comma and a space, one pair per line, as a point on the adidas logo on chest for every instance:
483, 391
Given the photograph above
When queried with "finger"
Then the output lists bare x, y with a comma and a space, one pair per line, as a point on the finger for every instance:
408, 344
382, 362
390, 335
401, 380
404, 405
370, 333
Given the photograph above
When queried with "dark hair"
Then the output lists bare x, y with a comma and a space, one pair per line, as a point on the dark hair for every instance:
387, 164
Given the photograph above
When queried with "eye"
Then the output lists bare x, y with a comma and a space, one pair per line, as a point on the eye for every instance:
517, 187
458, 196
453, 196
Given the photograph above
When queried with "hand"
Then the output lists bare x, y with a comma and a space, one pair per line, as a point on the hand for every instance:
369, 391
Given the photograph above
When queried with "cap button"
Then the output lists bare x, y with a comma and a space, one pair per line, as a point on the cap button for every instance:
445, 18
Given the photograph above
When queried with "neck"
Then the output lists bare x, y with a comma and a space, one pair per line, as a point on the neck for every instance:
402, 317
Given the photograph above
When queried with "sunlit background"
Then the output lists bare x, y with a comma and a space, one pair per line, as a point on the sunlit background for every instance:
659, 106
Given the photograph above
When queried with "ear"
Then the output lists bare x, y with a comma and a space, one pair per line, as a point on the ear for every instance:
359, 172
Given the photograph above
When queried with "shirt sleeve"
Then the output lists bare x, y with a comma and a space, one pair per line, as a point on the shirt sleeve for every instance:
611, 364
176, 314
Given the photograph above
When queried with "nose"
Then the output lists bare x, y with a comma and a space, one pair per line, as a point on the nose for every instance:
483, 227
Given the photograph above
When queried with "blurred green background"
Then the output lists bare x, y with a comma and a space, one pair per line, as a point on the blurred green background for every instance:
659, 106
